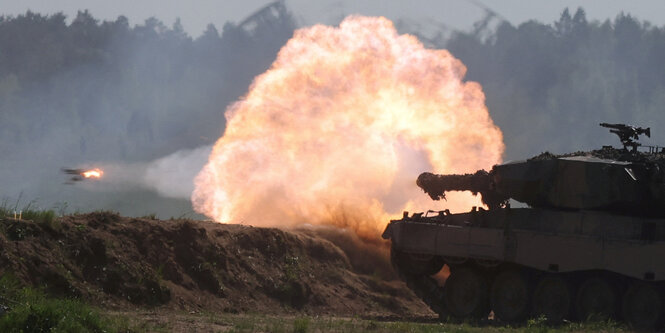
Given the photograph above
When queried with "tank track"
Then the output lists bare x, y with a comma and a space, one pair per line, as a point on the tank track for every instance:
428, 290
556, 296
423, 285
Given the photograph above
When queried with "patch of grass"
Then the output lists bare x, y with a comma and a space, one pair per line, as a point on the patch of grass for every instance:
276, 327
152, 216
291, 268
45, 218
53, 315
300, 325
537, 325
265, 323
31, 310
604, 325
245, 324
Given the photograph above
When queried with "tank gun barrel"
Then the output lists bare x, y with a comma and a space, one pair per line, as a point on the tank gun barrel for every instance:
436, 186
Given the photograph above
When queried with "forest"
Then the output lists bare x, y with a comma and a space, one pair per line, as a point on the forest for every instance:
99, 91
549, 85
86, 90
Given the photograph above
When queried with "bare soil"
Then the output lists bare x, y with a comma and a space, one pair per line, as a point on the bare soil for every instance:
138, 264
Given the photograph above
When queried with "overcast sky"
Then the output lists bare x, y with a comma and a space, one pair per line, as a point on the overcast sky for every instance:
457, 14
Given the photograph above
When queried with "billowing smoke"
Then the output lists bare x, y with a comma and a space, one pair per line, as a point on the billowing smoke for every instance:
340, 126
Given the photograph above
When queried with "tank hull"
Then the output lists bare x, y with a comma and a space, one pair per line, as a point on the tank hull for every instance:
566, 265
547, 240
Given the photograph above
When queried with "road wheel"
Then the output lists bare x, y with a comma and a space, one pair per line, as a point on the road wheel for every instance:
510, 296
643, 306
596, 299
466, 294
552, 298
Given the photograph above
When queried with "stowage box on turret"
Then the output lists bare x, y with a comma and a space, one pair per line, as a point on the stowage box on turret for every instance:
591, 243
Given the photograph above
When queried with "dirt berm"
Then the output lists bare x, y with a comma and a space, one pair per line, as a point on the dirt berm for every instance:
123, 263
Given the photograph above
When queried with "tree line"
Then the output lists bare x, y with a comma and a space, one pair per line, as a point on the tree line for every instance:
549, 85
92, 90
103, 90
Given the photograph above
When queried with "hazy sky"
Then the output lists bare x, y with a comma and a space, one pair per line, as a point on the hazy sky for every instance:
458, 14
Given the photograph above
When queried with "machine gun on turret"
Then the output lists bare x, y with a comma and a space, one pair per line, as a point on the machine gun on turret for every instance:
627, 134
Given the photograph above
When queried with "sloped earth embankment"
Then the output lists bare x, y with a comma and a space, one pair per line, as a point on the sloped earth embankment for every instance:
132, 263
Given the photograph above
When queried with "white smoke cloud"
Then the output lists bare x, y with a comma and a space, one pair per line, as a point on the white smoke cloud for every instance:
172, 176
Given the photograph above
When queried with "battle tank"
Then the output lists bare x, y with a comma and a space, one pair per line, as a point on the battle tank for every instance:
590, 244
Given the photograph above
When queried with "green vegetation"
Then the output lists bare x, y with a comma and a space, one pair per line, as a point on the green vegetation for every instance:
44, 217
300, 325
545, 79
152, 216
264, 323
30, 310
17, 231
78, 90
292, 268
108, 90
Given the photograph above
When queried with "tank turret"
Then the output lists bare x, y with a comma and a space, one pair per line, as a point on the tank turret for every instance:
612, 179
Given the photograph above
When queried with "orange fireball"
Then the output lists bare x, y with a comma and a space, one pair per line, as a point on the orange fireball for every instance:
338, 129
94, 173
